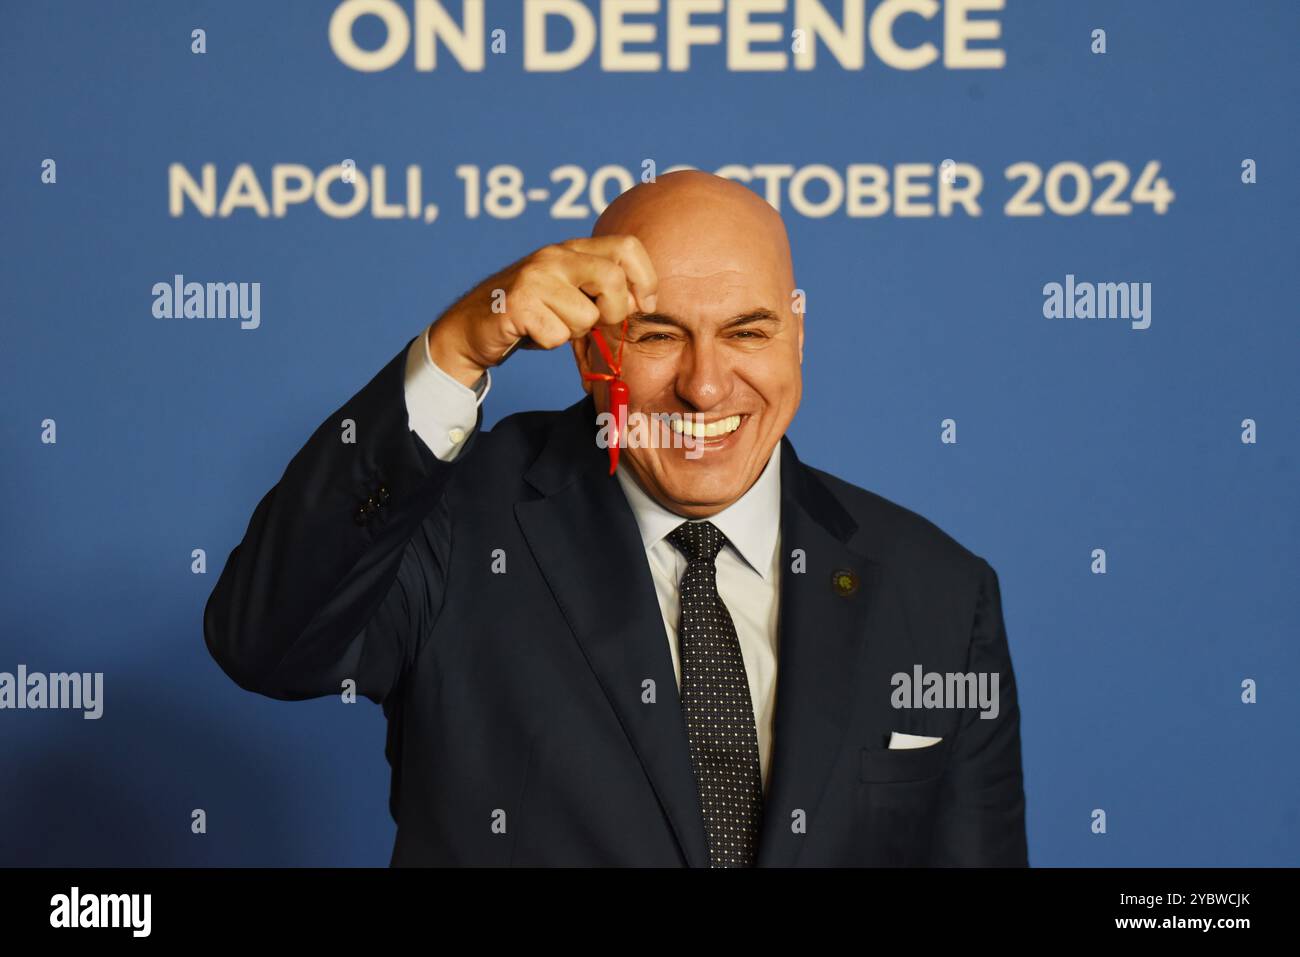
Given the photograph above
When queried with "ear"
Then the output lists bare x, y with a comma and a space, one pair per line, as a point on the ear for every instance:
582, 355
801, 319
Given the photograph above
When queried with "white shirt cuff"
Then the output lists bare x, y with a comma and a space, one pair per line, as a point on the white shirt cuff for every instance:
440, 410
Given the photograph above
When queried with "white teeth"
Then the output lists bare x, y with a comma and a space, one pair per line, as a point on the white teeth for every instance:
689, 426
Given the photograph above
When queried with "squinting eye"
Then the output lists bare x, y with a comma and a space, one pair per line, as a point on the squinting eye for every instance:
653, 336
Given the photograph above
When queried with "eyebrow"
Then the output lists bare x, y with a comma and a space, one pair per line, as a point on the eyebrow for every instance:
666, 319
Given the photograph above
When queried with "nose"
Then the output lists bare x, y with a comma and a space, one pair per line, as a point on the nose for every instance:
704, 375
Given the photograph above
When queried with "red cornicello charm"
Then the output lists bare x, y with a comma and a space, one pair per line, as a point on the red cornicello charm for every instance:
618, 404
618, 394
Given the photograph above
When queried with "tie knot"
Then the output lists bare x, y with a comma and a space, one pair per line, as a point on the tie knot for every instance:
698, 541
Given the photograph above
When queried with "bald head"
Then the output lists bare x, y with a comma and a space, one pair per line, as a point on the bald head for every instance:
723, 344
706, 219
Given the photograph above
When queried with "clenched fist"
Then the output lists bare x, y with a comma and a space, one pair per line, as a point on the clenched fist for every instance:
552, 296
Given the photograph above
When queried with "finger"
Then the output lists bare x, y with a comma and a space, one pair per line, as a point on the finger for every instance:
602, 279
630, 255
545, 328
572, 306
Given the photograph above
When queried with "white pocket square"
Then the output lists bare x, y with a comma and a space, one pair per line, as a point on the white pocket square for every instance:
899, 741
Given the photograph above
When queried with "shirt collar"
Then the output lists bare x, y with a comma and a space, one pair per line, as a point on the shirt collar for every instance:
751, 523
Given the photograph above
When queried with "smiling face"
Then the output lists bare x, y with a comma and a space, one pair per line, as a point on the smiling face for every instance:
723, 342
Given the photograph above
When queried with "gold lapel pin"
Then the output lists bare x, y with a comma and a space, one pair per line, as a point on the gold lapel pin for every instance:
845, 581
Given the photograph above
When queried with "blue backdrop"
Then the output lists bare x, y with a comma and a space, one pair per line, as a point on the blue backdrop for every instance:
1072, 434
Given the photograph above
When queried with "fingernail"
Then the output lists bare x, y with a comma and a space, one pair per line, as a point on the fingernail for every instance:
650, 303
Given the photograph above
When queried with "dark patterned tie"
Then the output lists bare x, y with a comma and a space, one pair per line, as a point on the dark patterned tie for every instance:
715, 699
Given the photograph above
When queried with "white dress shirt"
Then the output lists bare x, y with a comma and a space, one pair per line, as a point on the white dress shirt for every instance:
442, 412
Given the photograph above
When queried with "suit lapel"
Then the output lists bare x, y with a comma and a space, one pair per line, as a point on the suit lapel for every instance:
586, 543
822, 636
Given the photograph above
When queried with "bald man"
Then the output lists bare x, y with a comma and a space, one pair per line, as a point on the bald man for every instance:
718, 656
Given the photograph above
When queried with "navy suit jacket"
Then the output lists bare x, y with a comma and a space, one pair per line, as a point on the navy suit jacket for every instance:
520, 727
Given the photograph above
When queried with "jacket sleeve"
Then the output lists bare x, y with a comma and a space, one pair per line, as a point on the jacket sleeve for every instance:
981, 817
340, 572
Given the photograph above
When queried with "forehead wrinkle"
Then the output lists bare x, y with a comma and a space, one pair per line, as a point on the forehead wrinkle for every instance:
746, 291
681, 270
